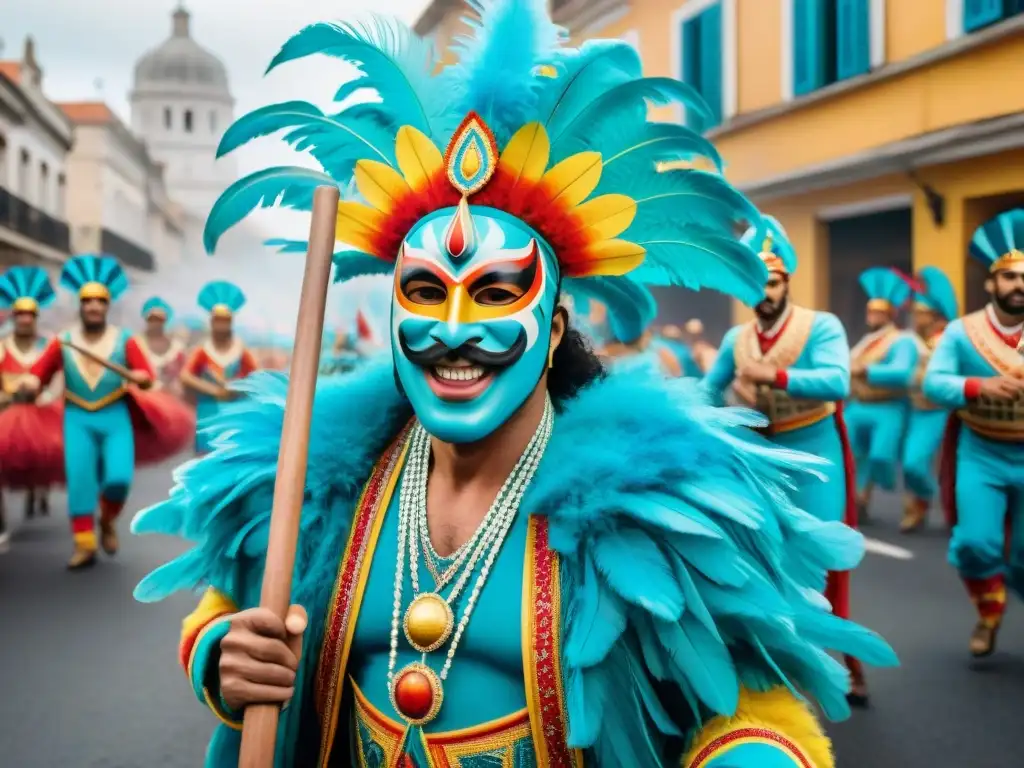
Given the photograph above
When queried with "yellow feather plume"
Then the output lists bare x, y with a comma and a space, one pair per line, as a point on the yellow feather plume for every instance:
606, 216
380, 185
357, 224
418, 157
607, 257
527, 153
573, 179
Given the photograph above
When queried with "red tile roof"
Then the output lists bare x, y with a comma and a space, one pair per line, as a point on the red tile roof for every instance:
91, 112
11, 70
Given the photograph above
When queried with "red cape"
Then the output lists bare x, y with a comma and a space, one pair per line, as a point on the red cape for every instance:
837, 588
947, 468
164, 425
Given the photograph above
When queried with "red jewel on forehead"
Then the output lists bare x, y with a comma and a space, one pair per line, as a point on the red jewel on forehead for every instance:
460, 238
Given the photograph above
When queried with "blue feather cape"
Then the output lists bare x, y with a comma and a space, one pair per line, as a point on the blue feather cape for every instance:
684, 565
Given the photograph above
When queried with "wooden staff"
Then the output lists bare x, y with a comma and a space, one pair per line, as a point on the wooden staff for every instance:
117, 368
259, 729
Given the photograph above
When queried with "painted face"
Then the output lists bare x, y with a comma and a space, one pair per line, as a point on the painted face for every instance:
474, 295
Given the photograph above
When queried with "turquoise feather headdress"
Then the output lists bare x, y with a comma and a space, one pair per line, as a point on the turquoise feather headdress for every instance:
999, 242
886, 288
772, 245
555, 136
94, 277
221, 298
26, 289
156, 305
937, 292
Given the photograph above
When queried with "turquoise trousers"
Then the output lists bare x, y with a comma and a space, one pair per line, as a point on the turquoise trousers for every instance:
876, 436
920, 451
825, 498
989, 489
99, 456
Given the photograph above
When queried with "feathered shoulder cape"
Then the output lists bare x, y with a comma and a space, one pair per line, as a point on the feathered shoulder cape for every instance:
684, 565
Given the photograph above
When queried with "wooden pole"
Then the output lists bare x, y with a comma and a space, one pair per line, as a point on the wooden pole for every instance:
259, 730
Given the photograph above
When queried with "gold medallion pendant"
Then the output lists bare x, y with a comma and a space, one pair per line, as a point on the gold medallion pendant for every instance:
428, 622
417, 693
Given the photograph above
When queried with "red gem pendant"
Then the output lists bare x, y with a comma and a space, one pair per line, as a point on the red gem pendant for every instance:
417, 693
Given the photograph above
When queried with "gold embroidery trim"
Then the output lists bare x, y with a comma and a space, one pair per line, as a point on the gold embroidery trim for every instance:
95, 405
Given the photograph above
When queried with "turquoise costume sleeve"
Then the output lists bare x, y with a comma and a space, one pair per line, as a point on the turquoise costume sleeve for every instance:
943, 384
754, 756
827, 378
897, 372
721, 374
204, 686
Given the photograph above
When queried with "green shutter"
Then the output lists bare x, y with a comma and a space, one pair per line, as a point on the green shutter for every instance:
981, 13
711, 62
853, 38
691, 52
810, 37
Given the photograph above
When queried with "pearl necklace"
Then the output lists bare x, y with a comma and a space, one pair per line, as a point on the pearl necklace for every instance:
416, 691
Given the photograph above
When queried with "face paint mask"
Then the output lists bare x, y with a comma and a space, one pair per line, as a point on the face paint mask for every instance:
474, 295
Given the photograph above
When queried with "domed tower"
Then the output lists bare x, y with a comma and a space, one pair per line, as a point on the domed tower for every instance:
181, 105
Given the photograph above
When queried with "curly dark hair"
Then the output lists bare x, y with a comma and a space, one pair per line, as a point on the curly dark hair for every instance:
574, 366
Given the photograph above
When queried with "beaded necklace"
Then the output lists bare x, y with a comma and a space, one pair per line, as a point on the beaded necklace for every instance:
416, 691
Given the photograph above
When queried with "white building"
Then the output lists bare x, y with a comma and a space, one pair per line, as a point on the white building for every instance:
117, 203
35, 138
181, 104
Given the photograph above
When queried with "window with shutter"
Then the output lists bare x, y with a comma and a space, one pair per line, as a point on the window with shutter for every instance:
981, 13
810, 40
853, 38
701, 65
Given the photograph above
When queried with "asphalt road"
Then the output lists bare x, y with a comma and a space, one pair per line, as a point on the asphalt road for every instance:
88, 678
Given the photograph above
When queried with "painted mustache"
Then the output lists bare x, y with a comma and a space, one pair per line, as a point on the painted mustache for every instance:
470, 351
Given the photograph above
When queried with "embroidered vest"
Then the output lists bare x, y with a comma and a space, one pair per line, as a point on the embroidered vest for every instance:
925, 347
996, 420
87, 384
543, 724
869, 353
785, 413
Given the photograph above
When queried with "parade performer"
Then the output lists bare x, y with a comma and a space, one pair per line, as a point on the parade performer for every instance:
977, 371
221, 359
31, 447
107, 420
792, 365
704, 352
166, 354
882, 368
671, 338
935, 306
614, 545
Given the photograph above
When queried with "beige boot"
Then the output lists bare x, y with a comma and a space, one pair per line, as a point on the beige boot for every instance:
915, 513
983, 639
108, 537
83, 557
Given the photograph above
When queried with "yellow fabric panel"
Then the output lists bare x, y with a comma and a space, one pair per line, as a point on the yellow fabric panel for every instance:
775, 710
214, 603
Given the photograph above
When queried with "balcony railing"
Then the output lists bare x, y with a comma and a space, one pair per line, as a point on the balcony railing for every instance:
127, 252
29, 221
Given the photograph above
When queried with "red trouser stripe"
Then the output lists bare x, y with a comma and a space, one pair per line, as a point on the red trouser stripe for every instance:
83, 524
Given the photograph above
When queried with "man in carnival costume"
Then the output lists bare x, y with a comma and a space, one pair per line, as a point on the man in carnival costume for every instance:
31, 450
99, 442
480, 209
220, 360
792, 365
166, 354
882, 365
934, 307
976, 370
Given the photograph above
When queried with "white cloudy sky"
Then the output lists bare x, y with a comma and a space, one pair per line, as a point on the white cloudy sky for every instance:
88, 51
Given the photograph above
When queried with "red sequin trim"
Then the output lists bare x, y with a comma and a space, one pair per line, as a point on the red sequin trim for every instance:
547, 649
750, 733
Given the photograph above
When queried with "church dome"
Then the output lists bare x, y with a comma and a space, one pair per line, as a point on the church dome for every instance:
180, 63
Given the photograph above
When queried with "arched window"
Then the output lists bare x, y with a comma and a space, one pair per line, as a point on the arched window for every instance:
213, 121
167, 118
44, 187
188, 121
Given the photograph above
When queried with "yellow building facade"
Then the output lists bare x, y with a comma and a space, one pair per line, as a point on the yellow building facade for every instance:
876, 131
